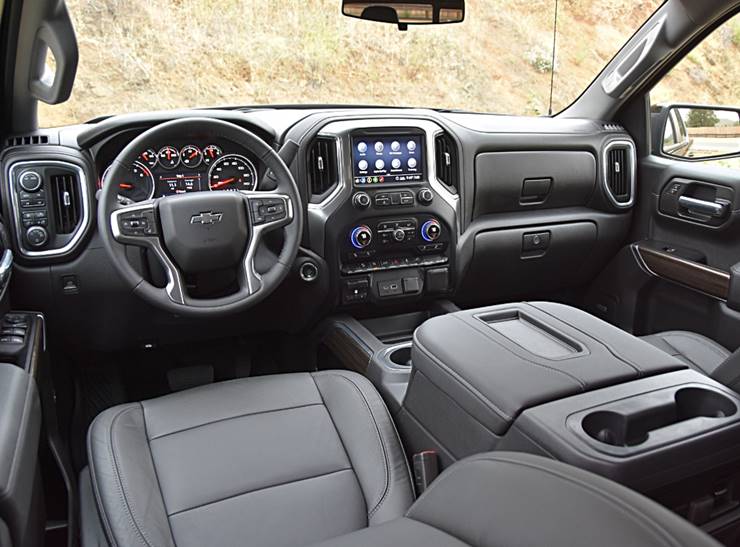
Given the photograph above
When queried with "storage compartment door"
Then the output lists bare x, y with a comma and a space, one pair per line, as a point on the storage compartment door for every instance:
513, 262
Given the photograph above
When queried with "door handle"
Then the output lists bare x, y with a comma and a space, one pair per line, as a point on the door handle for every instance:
703, 207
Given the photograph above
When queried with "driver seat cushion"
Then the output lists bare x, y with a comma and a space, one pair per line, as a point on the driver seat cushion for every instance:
277, 460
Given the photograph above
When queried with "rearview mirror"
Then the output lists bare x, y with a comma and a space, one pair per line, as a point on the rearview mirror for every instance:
694, 132
406, 13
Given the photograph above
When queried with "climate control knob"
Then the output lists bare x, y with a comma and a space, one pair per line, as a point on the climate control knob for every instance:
361, 200
399, 235
37, 236
361, 237
431, 230
425, 196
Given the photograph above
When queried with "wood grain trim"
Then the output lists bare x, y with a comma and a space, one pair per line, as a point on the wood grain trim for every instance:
693, 275
347, 349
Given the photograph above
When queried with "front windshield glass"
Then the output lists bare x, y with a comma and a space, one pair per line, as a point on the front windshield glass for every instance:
142, 55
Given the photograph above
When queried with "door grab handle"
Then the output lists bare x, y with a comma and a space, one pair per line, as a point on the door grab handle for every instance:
703, 207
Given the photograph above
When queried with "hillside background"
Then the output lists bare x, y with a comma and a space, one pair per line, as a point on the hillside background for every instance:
140, 55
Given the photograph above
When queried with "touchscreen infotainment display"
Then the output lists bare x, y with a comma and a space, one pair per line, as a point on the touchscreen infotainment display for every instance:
382, 159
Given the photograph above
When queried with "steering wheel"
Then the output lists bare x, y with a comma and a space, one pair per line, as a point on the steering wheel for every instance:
202, 231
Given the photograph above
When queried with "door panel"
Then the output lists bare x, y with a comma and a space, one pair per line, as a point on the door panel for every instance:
692, 247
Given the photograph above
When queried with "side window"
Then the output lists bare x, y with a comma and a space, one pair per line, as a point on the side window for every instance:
706, 76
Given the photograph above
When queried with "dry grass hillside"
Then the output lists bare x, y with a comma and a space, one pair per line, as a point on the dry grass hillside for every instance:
158, 54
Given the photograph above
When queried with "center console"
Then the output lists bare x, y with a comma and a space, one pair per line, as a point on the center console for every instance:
391, 225
552, 380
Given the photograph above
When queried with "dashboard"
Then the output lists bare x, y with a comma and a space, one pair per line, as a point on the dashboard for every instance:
401, 207
183, 167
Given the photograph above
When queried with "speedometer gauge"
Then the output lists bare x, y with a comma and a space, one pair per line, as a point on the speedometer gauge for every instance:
232, 172
136, 185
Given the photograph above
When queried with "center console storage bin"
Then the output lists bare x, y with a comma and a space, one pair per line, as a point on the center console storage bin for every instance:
475, 371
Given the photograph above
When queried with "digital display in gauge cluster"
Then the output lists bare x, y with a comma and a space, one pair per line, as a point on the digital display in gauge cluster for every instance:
177, 169
382, 159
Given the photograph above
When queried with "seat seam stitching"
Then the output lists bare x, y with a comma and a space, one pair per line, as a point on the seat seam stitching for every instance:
386, 486
99, 500
156, 475
236, 417
119, 479
336, 430
256, 490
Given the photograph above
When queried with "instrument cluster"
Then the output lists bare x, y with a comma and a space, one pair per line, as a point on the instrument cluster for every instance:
179, 168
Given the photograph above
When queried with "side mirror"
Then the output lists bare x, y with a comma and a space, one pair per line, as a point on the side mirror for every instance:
698, 133
403, 14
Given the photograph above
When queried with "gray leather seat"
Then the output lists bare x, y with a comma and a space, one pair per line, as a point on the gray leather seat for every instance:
700, 353
502, 499
296, 459
269, 461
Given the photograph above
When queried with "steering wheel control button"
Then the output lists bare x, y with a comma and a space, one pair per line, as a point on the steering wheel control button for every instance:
30, 181
37, 236
431, 230
267, 210
138, 223
309, 271
361, 200
425, 196
361, 237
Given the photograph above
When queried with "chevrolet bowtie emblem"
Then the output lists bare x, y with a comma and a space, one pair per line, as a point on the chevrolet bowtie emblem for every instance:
206, 217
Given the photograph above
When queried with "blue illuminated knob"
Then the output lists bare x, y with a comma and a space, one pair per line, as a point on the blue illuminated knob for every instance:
431, 230
361, 237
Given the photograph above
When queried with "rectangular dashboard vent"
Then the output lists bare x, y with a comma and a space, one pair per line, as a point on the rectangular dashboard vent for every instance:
27, 140
66, 202
445, 152
323, 168
618, 173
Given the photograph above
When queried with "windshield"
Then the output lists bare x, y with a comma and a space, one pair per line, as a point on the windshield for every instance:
143, 55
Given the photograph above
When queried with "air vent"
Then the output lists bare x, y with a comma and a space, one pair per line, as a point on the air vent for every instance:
323, 170
619, 172
66, 202
612, 128
27, 140
445, 152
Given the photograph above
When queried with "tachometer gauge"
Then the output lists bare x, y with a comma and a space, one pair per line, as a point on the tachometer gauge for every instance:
169, 157
232, 172
137, 185
149, 158
191, 156
211, 153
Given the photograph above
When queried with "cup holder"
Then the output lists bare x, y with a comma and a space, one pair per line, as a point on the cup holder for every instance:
632, 427
401, 356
